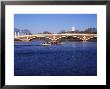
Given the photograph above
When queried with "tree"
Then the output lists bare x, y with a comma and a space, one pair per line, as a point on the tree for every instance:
90, 30
46, 32
62, 31
76, 31
16, 30
26, 32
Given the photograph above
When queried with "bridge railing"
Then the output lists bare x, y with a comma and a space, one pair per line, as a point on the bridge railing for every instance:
66, 34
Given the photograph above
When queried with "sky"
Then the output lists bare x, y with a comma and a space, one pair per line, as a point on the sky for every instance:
38, 23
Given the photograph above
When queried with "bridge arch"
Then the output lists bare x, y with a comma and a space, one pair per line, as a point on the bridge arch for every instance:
17, 39
40, 38
77, 37
92, 38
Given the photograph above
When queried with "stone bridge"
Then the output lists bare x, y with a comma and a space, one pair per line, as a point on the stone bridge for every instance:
56, 37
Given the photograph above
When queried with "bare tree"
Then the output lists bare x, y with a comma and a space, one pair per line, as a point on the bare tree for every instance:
90, 30
47, 32
62, 31
26, 32
16, 30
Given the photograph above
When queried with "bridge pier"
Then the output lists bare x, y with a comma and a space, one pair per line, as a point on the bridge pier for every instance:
84, 38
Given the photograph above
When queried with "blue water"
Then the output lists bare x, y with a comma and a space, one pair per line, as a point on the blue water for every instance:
69, 59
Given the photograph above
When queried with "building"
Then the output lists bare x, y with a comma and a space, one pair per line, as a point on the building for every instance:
73, 29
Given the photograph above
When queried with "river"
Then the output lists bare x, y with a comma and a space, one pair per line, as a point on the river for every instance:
69, 59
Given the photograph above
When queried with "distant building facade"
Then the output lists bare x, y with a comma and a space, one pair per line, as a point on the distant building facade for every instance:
73, 29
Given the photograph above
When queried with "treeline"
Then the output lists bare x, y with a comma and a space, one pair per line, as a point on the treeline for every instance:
86, 31
23, 31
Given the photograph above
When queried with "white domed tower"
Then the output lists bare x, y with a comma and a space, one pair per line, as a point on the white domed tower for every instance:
73, 29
